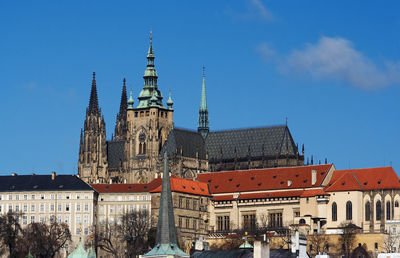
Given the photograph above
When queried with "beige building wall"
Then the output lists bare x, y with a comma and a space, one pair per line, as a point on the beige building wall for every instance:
75, 208
341, 198
112, 206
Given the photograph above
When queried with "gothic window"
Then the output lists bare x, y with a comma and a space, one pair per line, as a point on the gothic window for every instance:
388, 210
396, 204
302, 221
378, 210
334, 211
349, 211
368, 211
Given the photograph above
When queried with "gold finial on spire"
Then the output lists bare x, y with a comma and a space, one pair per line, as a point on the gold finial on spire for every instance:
151, 35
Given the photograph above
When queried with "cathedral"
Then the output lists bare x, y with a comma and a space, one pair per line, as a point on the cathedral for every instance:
145, 131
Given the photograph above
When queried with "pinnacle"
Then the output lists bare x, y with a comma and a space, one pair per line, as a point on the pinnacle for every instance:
93, 102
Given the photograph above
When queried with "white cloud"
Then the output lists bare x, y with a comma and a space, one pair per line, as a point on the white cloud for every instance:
337, 59
266, 51
261, 10
255, 10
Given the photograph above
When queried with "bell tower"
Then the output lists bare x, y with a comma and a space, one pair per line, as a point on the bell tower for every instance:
148, 125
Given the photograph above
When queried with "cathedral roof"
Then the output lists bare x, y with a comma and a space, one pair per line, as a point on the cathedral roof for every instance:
42, 183
186, 141
115, 153
254, 142
231, 144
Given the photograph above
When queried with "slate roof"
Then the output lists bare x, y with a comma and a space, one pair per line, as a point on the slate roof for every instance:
363, 179
282, 178
190, 142
258, 142
263, 141
115, 153
42, 183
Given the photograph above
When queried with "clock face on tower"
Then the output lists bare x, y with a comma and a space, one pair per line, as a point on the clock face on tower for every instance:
142, 137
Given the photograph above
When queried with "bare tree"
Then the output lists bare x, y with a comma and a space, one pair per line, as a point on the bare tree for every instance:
319, 243
389, 242
347, 238
46, 240
129, 231
9, 232
134, 227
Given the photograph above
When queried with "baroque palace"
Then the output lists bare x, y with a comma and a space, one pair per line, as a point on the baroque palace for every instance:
144, 131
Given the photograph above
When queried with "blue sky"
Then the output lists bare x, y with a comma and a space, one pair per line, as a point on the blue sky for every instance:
331, 67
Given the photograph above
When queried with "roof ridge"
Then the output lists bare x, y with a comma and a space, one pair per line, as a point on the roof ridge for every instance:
259, 169
247, 128
337, 180
362, 188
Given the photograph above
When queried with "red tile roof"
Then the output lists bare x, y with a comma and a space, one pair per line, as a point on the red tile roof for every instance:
186, 186
296, 193
223, 197
313, 192
121, 188
363, 179
264, 179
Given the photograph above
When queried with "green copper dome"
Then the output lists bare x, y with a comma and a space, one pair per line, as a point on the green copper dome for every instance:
79, 252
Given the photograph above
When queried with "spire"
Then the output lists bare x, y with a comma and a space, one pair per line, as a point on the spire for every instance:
93, 102
203, 128
130, 101
124, 101
166, 241
169, 101
150, 82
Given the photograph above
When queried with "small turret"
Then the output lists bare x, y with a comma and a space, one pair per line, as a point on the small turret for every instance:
130, 101
169, 101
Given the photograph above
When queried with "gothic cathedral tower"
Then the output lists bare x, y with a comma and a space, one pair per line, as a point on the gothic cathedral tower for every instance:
92, 164
148, 126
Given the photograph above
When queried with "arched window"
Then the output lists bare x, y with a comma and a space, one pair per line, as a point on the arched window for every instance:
396, 204
302, 221
388, 210
378, 210
144, 148
368, 211
334, 211
349, 210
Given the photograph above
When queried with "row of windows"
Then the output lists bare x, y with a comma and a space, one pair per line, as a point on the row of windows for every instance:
249, 221
18, 197
120, 208
52, 219
127, 198
42, 207
349, 211
378, 210
187, 223
189, 203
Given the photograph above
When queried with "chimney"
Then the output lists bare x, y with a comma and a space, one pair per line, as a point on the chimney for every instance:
125, 181
261, 249
53, 175
289, 182
313, 176
110, 181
